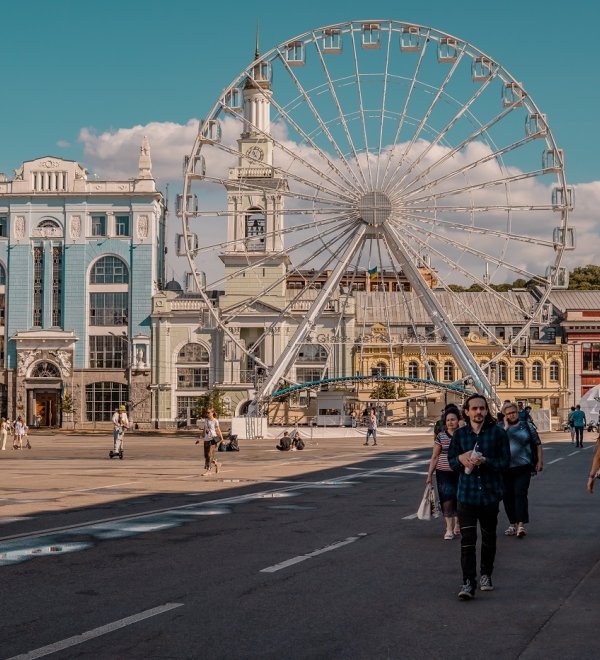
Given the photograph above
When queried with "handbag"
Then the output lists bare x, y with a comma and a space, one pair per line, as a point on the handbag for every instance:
429, 507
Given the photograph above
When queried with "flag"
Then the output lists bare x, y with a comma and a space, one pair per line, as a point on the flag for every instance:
373, 273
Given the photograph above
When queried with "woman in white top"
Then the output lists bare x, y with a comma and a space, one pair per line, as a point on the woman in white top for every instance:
212, 438
3, 433
19, 433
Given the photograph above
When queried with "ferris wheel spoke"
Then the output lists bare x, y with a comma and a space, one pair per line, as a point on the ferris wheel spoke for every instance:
403, 115
473, 229
342, 230
429, 110
409, 193
383, 106
440, 135
484, 256
361, 108
340, 112
322, 125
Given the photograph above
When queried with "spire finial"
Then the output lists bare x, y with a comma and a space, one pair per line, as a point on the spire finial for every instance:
145, 162
257, 50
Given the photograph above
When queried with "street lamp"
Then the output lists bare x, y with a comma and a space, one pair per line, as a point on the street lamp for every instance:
123, 337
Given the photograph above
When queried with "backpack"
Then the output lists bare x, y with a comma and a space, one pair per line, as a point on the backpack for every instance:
300, 444
233, 445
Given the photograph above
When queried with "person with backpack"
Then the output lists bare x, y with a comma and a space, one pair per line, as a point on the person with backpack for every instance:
212, 437
120, 425
525, 456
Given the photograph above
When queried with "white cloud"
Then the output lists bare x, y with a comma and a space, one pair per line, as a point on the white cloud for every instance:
63, 144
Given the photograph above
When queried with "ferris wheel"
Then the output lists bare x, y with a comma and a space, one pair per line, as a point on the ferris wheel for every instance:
369, 173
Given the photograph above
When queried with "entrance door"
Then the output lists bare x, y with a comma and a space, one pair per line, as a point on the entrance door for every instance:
46, 409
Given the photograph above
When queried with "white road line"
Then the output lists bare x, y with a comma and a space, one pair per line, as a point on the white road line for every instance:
573, 453
96, 632
87, 490
412, 515
555, 461
314, 553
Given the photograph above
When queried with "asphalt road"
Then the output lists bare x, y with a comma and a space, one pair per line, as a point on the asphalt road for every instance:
312, 554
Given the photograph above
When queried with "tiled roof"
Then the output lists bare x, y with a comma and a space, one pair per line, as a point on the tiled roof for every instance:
575, 299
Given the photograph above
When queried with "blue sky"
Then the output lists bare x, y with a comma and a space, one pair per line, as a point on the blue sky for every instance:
77, 78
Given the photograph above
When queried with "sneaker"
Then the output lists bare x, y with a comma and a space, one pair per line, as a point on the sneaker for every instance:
467, 591
521, 532
485, 583
366, 444
511, 531
448, 536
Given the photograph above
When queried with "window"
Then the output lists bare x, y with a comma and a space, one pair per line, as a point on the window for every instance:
465, 330
502, 372
98, 225
192, 378
550, 334
109, 308
310, 374
108, 352
38, 286
500, 332
536, 372
432, 370
590, 356
534, 333
45, 370
2, 309
312, 353
193, 353
519, 371
515, 331
380, 369
256, 226
3, 226
122, 227
554, 371
187, 407
413, 369
449, 371
2, 358
2, 275
109, 270
101, 399
57, 261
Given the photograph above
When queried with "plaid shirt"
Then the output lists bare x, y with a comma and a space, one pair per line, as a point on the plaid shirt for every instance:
484, 485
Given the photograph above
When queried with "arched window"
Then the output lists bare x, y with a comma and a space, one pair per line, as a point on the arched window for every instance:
48, 223
519, 372
313, 358
109, 270
432, 370
45, 370
380, 369
195, 374
2, 275
536, 372
449, 371
554, 371
413, 369
255, 227
312, 353
102, 398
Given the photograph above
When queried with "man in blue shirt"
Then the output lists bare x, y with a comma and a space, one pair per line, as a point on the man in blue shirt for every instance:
480, 451
577, 418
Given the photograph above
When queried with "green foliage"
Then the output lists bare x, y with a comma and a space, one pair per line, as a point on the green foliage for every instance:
386, 389
214, 399
585, 278
67, 403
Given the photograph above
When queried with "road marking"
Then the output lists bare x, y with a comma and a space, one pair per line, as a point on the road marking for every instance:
314, 553
87, 490
573, 453
412, 515
555, 461
96, 632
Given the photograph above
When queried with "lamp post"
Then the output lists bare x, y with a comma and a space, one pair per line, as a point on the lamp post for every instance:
123, 336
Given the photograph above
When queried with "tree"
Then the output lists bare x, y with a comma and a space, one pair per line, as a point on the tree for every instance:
585, 278
386, 389
214, 400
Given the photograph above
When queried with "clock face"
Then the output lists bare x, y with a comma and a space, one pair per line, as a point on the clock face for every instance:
256, 153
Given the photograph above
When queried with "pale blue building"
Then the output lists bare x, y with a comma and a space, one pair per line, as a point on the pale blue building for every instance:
80, 260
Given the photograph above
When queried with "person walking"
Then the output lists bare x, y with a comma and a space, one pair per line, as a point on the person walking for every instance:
371, 427
525, 455
570, 423
578, 417
19, 431
595, 467
446, 478
3, 432
212, 437
120, 425
480, 452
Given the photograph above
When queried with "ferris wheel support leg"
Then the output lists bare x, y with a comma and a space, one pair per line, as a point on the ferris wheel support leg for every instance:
289, 353
461, 353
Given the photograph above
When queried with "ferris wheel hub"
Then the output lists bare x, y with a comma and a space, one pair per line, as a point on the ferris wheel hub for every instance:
374, 208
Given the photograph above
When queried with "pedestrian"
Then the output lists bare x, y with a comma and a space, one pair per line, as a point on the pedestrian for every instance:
371, 427
285, 442
525, 455
353, 419
570, 423
480, 452
212, 437
579, 424
120, 425
3, 432
595, 468
26, 436
446, 478
19, 431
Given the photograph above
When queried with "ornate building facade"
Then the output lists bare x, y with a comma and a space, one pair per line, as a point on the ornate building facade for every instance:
80, 260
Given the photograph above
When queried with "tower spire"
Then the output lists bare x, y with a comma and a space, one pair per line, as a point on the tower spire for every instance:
257, 49
145, 162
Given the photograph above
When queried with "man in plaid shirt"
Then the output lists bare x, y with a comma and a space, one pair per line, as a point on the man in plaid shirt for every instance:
480, 489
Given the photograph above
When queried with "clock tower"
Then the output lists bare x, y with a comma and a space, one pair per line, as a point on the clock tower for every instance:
254, 259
